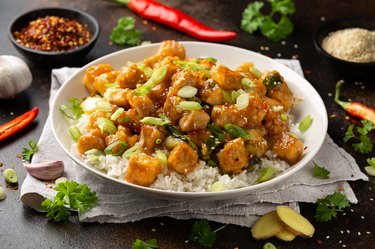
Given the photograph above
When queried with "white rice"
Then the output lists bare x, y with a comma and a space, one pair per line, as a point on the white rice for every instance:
203, 179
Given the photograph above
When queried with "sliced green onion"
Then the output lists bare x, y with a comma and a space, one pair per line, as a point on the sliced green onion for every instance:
212, 164
171, 142
155, 121
135, 150
112, 85
157, 76
235, 94
236, 131
207, 73
265, 174
117, 113
284, 117
103, 105
162, 157
124, 119
10, 176
116, 148
158, 141
242, 101
189, 105
93, 159
217, 186
72, 111
95, 152
227, 95
106, 125
187, 92
277, 108
217, 132
246, 82
305, 124
210, 59
145, 43
129, 63
256, 72
191, 65
146, 70
74, 132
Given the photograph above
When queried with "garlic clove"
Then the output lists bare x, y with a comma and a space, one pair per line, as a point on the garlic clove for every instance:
50, 170
15, 76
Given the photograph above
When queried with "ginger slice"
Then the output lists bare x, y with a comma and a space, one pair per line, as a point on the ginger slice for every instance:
285, 235
295, 222
266, 226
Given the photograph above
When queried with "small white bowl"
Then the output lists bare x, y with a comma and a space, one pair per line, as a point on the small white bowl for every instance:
232, 57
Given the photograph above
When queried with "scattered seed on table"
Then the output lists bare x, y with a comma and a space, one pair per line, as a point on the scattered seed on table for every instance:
283, 42
344, 213
359, 233
362, 217
186, 241
343, 245
11, 114
295, 46
330, 94
347, 231
161, 224
278, 54
322, 18
371, 199
153, 230
363, 87
327, 237
340, 242
341, 231
368, 232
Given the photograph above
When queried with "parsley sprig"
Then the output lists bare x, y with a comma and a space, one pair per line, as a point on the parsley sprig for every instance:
253, 19
203, 234
149, 244
70, 194
364, 145
328, 207
27, 154
125, 32
320, 172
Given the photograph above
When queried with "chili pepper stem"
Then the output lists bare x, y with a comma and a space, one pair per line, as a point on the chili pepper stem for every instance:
343, 104
122, 2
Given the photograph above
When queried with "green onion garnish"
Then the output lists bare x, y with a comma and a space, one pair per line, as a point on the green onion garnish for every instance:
117, 113
136, 149
155, 121
265, 174
74, 132
242, 101
72, 111
116, 148
106, 125
187, 92
246, 82
216, 132
162, 157
305, 124
236, 131
256, 72
284, 117
189, 105
157, 76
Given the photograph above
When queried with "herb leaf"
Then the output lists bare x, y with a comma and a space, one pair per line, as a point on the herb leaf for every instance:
27, 154
202, 233
253, 19
125, 32
149, 244
320, 172
365, 145
72, 194
328, 207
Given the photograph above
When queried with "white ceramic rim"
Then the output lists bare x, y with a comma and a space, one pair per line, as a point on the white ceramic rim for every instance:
226, 194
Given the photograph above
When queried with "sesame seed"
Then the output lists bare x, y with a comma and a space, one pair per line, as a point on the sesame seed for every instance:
153, 230
278, 54
322, 18
330, 94
295, 45
359, 233
340, 242
363, 87
283, 42
161, 224
11, 113
368, 232
327, 237
362, 217
347, 231
344, 214
351, 210
343, 245
356, 83
341, 231
266, 48
186, 241
371, 199
261, 48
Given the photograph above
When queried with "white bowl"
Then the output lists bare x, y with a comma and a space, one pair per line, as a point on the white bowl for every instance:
232, 57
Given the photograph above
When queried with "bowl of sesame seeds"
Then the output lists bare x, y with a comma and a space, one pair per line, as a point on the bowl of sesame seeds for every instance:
54, 36
349, 43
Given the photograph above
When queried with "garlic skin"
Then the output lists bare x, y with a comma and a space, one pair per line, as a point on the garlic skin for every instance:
50, 170
15, 76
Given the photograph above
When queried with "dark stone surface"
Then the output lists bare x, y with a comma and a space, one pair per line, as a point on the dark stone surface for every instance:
21, 227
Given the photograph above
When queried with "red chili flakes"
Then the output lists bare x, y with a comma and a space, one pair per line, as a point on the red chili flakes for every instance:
52, 33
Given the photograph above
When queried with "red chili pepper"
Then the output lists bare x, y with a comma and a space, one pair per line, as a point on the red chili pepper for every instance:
355, 109
17, 124
150, 9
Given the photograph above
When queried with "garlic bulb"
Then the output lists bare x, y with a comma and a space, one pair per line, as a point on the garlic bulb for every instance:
15, 76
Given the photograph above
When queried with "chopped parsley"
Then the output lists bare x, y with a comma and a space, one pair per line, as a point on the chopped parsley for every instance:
149, 244
27, 154
203, 234
125, 32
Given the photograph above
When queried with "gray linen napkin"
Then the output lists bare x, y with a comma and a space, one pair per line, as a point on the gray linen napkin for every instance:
117, 205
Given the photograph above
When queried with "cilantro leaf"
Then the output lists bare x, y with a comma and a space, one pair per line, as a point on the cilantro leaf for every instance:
202, 233
125, 32
276, 31
27, 154
320, 172
70, 194
328, 207
285, 7
364, 145
252, 17
149, 244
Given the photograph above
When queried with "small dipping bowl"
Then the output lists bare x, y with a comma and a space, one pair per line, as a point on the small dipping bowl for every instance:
344, 65
58, 58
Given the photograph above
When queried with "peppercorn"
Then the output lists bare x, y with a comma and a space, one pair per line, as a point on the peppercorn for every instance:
54, 34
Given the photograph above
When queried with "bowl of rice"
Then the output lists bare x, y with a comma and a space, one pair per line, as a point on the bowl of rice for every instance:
189, 120
349, 43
